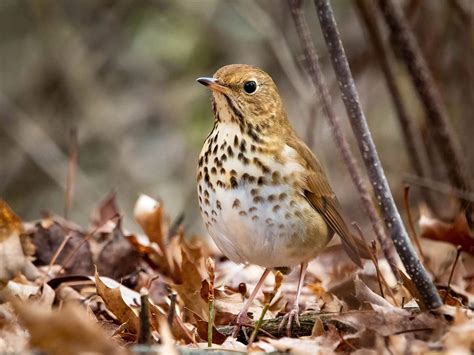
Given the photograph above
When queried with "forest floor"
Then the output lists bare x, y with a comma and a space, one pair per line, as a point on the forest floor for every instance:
67, 288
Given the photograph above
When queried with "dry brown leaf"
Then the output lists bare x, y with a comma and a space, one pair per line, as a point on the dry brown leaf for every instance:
387, 321
190, 289
365, 294
116, 304
456, 233
12, 258
69, 330
13, 337
76, 256
117, 258
107, 209
460, 337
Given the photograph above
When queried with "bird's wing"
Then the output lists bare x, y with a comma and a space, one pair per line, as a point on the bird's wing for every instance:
318, 192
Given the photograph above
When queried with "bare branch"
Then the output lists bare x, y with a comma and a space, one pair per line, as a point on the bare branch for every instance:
372, 162
340, 138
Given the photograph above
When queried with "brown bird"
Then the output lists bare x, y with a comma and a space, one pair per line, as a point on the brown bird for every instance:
263, 195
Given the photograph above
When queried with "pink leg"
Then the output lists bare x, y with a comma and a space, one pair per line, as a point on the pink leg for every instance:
242, 316
294, 313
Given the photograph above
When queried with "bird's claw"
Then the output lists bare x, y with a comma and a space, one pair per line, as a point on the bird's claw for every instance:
288, 319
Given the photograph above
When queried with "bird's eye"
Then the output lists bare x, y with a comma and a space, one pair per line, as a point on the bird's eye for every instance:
250, 87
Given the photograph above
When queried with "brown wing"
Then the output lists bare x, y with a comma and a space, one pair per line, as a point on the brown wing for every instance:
320, 195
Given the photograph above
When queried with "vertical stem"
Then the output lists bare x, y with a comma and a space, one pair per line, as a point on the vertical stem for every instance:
449, 148
71, 172
372, 162
415, 150
340, 138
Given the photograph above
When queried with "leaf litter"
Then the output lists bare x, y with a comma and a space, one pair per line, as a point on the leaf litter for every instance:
71, 289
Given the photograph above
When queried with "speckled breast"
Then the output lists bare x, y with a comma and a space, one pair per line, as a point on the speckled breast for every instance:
249, 204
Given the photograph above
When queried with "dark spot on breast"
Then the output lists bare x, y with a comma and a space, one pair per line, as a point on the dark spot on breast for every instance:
207, 214
243, 158
253, 148
223, 145
218, 205
199, 188
243, 147
214, 151
199, 177
200, 161
258, 199
222, 171
236, 203
233, 172
281, 226
271, 198
223, 157
242, 213
206, 193
254, 218
292, 203
219, 183
269, 221
254, 192
206, 201
287, 215
213, 170
282, 196
236, 141
233, 182
230, 151
206, 178
252, 209
276, 177
261, 181
276, 208
214, 213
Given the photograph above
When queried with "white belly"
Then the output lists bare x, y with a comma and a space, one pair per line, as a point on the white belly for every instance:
268, 231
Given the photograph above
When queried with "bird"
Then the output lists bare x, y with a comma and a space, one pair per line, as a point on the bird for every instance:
263, 195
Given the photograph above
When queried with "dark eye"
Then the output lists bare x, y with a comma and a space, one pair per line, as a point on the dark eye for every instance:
250, 87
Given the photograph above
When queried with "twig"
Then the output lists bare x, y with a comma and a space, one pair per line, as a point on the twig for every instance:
210, 299
71, 171
172, 309
458, 253
439, 187
317, 77
258, 325
415, 150
404, 40
373, 256
66, 239
144, 335
411, 226
371, 159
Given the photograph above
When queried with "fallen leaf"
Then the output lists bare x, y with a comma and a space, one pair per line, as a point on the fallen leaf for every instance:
116, 304
69, 330
12, 258
456, 233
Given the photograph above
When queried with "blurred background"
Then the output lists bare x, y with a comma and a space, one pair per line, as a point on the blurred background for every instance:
123, 74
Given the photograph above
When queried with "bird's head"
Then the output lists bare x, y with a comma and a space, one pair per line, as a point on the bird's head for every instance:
246, 95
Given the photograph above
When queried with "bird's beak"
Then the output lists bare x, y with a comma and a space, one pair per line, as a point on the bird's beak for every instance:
211, 83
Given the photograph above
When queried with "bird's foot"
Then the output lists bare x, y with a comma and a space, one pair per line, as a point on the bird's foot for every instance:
287, 321
241, 321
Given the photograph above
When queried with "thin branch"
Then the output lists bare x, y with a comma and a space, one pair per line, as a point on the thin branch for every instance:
415, 150
71, 172
371, 159
317, 77
404, 40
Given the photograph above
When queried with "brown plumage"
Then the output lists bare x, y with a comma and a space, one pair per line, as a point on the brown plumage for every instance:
264, 196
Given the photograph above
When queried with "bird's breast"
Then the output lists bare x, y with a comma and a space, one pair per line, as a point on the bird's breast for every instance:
250, 204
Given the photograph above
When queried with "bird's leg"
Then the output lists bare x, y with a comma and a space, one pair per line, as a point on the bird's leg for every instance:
293, 314
242, 316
